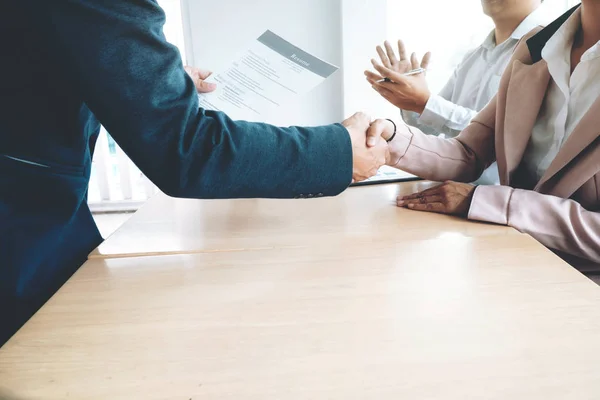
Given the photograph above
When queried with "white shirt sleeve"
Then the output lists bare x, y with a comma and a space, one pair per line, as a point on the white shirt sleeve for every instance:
443, 116
412, 118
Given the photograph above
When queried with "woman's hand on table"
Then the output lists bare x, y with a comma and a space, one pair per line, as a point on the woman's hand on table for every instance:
451, 198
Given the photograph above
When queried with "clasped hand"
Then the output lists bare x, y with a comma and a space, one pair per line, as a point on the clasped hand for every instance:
370, 150
367, 157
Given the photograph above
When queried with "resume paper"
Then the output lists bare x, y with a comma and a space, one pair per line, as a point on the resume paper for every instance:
263, 77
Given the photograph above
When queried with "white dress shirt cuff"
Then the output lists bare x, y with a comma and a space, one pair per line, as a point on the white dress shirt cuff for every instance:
437, 112
491, 204
410, 117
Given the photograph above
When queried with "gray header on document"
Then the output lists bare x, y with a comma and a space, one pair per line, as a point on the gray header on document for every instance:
297, 55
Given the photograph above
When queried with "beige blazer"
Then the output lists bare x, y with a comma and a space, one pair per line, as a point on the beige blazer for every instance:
561, 209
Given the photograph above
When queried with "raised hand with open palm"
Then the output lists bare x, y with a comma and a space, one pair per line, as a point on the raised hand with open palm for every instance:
405, 92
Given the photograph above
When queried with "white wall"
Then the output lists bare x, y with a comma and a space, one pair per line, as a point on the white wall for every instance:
217, 30
364, 27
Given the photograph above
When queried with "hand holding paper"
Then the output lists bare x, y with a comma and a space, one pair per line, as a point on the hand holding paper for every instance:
266, 75
199, 77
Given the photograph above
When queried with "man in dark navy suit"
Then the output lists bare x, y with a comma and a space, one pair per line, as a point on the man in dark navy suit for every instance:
69, 65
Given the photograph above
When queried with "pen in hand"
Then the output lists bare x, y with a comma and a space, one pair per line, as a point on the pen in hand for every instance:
409, 73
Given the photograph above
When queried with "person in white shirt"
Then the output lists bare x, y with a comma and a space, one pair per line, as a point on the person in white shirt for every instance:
474, 82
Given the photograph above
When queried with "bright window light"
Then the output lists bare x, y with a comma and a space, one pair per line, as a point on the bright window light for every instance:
449, 29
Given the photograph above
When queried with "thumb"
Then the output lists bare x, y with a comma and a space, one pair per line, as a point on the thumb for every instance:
204, 74
205, 87
375, 132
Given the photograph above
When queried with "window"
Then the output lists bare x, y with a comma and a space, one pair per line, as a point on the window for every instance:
174, 27
116, 184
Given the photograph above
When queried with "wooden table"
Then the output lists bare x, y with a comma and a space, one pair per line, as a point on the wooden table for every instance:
174, 226
495, 317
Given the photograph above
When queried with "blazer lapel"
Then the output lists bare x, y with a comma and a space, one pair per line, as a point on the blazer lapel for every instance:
524, 98
575, 175
586, 132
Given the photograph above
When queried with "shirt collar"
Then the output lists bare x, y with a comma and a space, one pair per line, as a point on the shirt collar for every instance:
537, 42
531, 22
490, 41
558, 47
592, 53
557, 51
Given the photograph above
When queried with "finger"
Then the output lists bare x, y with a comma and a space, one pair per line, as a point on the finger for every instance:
390, 53
435, 198
414, 61
204, 74
205, 87
383, 91
428, 192
429, 207
384, 58
381, 152
401, 50
372, 81
388, 73
389, 86
356, 177
426, 60
373, 77
375, 132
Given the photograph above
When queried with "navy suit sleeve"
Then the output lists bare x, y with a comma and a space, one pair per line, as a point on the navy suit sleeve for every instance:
134, 82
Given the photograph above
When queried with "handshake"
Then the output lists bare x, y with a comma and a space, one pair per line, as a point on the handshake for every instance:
370, 149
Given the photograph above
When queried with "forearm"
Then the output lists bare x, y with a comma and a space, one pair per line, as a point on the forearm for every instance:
557, 223
133, 80
434, 158
220, 158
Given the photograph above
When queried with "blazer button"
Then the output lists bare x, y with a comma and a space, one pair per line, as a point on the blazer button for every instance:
320, 195
310, 196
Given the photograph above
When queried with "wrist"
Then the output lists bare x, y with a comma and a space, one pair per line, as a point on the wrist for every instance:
389, 130
421, 103
393, 130
469, 201
395, 151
